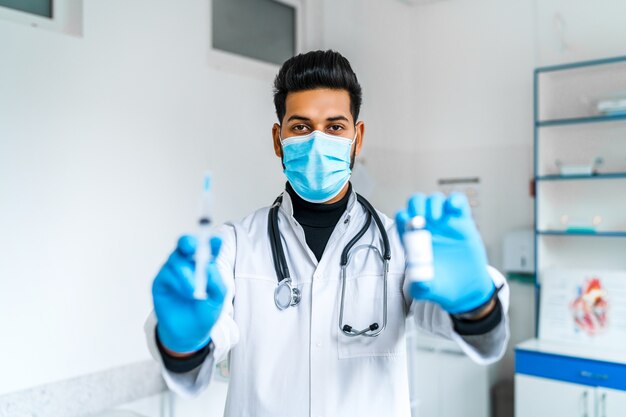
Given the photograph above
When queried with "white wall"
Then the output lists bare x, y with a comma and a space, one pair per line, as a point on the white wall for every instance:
103, 141
579, 30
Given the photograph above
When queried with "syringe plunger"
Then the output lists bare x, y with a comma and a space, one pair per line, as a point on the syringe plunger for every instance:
203, 248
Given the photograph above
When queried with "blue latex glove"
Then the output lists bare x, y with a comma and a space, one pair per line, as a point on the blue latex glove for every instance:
184, 323
461, 282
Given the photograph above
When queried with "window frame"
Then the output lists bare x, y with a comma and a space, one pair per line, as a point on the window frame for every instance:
247, 66
67, 17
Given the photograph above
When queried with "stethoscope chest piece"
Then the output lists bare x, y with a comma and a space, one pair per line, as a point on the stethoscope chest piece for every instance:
285, 295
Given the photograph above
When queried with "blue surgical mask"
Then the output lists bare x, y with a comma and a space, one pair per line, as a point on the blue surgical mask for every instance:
317, 165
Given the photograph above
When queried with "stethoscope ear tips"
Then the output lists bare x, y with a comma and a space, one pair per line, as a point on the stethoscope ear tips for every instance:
348, 329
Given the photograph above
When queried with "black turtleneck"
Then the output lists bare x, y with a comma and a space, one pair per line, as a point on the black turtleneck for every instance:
317, 219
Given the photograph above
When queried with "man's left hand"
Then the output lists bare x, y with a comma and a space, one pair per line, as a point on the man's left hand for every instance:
461, 280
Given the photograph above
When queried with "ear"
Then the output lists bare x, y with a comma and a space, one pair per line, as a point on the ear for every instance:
278, 150
358, 142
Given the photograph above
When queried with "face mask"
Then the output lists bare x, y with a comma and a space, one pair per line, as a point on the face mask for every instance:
317, 165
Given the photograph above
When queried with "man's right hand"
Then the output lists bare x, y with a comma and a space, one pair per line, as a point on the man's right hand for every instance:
184, 323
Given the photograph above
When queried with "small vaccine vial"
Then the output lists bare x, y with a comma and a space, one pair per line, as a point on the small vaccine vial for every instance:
418, 244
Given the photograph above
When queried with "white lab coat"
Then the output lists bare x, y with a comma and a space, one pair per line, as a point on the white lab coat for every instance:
297, 362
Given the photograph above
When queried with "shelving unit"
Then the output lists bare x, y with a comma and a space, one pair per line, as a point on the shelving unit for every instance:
567, 127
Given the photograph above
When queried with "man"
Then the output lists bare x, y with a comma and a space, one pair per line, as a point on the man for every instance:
300, 360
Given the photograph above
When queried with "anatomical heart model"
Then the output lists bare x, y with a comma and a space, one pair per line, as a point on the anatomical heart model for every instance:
589, 309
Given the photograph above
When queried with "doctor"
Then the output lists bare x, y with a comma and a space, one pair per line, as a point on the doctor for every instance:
294, 348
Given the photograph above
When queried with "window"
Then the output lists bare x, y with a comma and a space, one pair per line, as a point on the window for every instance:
65, 16
38, 7
264, 30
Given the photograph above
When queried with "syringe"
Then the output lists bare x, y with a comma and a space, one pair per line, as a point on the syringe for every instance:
419, 250
203, 248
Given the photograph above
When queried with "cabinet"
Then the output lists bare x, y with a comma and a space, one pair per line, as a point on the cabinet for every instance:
610, 402
438, 371
540, 397
554, 379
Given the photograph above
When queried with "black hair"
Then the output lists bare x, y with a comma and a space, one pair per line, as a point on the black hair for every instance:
316, 69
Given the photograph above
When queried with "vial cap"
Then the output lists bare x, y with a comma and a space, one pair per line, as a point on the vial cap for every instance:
417, 222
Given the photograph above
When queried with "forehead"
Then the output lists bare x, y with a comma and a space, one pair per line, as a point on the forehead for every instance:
319, 103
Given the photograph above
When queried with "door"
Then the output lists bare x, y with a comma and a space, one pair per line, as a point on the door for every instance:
540, 397
610, 403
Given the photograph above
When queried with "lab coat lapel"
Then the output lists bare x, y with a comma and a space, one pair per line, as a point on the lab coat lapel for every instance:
286, 207
351, 216
340, 236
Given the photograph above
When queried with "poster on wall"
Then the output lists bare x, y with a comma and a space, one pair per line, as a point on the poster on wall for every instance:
470, 186
585, 307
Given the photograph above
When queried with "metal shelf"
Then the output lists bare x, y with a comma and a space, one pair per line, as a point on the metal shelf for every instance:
581, 120
575, 65
593, 234
605, 176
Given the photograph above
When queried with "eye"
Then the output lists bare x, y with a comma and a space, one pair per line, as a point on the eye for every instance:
335, 128
299, 128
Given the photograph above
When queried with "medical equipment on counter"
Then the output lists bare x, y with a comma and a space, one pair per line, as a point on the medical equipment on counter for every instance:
579, 169
419, 250
286, 295
203, 249
581, 226
612, 107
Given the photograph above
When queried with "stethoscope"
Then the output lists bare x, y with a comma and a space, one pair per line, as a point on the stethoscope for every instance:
286, 295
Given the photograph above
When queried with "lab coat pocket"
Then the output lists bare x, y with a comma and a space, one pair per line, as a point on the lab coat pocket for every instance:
363, 306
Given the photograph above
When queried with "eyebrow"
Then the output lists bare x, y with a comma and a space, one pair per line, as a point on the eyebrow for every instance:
306, 119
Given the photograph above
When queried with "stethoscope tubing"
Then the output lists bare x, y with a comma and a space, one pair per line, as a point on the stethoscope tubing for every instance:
284, 278
364, 332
